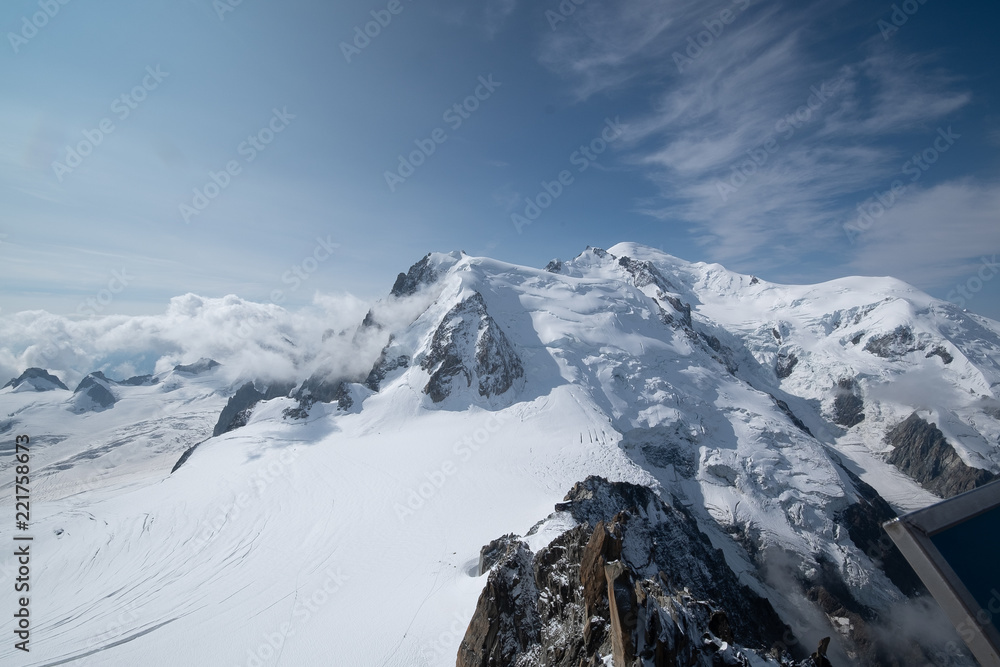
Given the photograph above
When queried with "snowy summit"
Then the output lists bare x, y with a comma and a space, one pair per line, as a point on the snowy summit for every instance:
621, 458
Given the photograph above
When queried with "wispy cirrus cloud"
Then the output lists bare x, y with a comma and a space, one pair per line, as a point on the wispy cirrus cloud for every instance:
496, 13
759, 135
934, 235
490, 16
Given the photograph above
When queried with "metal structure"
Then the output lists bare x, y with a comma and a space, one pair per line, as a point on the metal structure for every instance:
954, 547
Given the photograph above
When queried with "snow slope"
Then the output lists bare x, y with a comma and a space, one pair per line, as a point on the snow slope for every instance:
352, 536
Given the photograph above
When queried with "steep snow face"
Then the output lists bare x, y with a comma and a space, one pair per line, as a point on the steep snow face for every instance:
362, 527
868, 351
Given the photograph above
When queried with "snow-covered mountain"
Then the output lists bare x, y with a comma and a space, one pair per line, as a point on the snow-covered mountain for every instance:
623, 454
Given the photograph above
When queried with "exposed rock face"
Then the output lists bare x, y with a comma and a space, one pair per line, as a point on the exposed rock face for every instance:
939, 351
420, 274
554, 266
644, 273
470, 344
663, 448
94, 393
722, 354
319, 389
491, 554
894, 344
786, 364
38, 379
863, 521
385, 364
198, 367
848, 406
185, 456
240, 406
676, 312
783, 406
635, 580
140, 381
506, 628
683, 308
922, 452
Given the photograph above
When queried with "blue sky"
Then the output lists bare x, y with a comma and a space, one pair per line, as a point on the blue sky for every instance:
745, 132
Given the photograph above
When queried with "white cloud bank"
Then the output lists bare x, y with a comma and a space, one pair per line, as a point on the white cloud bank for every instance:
250, 340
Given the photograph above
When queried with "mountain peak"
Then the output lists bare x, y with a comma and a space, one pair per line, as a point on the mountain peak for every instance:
35, 379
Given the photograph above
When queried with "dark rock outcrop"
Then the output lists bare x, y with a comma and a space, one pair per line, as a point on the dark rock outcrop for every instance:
185, 456
370, 321
635, 580
662, 448
319, 388
491, 554
939, 351
921, 451
202, 365
783, 406
94, 393
385, 364
645, 273
505, 629
140, 381
240, 406
38, 379
818, 657
895, 344
420, 274
848, 407
684, 309
720, 352
470, 344
863, 521
785, 364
